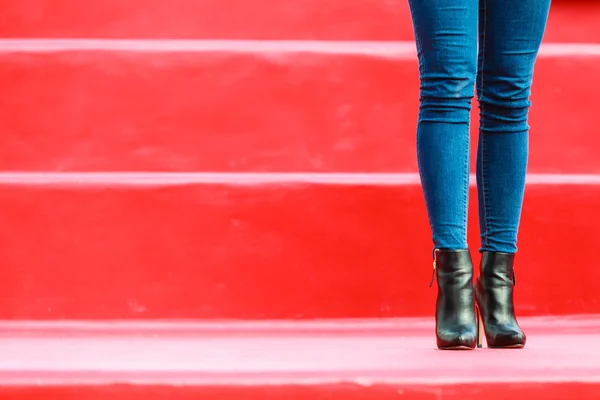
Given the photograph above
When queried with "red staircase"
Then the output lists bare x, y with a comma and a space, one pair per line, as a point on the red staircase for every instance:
200, 200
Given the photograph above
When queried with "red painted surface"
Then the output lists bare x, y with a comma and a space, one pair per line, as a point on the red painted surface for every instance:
357, 364
278, 251
570, 21
494, 391
275, 251
254, 112
258, 19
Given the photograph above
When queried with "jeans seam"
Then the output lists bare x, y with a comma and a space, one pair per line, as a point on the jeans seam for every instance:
485, 240
418, 45
467, 185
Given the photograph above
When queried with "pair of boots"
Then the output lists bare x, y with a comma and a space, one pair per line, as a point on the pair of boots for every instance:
458, 326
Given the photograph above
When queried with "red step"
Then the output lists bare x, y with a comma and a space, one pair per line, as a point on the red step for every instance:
186, 246
570, 21
382, 360
237, 19
245, 107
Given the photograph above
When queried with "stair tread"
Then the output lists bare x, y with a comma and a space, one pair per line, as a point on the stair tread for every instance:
367, 352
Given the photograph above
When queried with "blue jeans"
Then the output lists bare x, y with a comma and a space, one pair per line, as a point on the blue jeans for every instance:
493, 45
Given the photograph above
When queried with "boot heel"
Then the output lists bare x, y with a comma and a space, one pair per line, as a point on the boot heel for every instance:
480, 329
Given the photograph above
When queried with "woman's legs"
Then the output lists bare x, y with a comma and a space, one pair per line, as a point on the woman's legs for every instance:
510, 36
446, 35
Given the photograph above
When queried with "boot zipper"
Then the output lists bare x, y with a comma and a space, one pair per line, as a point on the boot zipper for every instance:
434, 267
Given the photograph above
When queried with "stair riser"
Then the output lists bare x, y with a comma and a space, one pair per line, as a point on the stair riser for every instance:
259, 19
274, 251
255, 112
548, 391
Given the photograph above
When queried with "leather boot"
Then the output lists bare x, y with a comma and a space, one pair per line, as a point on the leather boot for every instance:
494, 296
456, 327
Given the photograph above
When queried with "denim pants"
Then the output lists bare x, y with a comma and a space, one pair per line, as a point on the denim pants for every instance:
491, 45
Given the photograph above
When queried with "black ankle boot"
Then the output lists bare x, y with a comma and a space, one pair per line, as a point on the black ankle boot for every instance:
456, 327
494, 296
